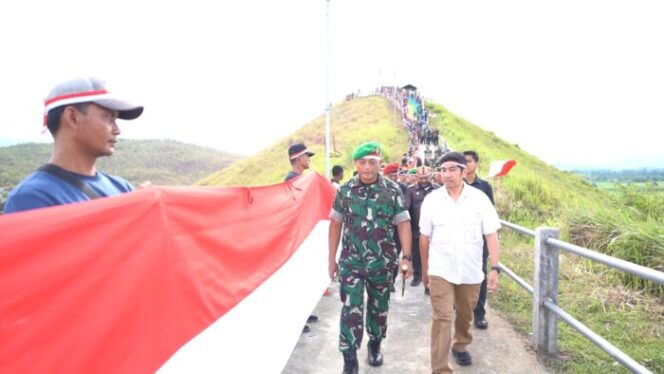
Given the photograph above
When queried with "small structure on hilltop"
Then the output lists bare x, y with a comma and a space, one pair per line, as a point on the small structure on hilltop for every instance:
409, 87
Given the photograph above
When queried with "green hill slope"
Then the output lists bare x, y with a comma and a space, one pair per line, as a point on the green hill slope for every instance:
164, 162
533, 194
541, 190
353, 122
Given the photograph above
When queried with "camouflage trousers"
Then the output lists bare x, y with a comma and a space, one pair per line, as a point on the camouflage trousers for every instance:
376, 277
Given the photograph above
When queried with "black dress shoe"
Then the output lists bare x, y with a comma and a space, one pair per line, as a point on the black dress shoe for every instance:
462, 358
481, 323
427, 291
416, 281
375, 357
306, 328
312, 318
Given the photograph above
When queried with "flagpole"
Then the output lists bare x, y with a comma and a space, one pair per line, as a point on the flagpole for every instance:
328, 105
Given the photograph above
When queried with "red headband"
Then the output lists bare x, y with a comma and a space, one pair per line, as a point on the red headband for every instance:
73, 98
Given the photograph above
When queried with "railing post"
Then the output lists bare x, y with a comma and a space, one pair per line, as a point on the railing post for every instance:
545, 322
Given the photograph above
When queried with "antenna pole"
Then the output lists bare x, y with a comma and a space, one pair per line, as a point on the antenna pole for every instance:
328, 105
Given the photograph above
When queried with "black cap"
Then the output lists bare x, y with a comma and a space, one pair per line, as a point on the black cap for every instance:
298, 149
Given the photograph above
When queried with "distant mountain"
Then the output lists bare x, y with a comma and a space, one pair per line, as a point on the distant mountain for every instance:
8, 141
623, 176
163, 162
623, 163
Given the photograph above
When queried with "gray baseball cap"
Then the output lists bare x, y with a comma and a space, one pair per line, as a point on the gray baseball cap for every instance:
89, 90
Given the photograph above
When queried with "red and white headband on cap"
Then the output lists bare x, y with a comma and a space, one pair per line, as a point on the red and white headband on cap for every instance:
374, 155
74, 98
296, 155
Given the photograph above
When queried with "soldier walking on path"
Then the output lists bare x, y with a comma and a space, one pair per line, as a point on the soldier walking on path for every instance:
453, 221
472, 161
414, 197
368, 208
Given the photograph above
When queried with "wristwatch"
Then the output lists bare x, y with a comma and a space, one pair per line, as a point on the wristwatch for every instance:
496, 268
409, 258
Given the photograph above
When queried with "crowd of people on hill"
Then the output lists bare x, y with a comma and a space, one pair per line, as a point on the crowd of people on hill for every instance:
414, 114
424, 146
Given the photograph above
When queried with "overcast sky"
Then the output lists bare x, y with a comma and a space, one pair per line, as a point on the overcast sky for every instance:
572, 82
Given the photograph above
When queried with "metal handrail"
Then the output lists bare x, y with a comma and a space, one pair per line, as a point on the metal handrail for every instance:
546, 327
616, 263
518, 228
520, 281
607, 347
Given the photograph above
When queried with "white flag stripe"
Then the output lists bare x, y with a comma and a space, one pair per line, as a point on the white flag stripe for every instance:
259, 334
496, 168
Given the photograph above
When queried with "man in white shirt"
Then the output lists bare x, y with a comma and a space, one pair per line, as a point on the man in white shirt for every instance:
453, 221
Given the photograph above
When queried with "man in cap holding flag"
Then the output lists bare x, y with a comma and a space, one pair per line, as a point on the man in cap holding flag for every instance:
81, 116
368, 208
298, 155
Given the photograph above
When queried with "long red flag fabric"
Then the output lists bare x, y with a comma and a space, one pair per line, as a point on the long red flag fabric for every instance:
117, 285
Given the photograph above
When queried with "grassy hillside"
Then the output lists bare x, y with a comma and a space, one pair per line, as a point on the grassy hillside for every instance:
353, 123
625, 310
534, 193
629, 313
164, 162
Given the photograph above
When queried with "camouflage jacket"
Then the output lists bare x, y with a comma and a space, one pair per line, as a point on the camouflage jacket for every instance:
369, 214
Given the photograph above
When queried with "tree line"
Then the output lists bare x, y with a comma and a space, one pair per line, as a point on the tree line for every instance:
623, 176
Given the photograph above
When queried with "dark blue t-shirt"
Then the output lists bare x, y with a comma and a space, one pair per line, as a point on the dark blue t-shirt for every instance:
42, 189
291, 174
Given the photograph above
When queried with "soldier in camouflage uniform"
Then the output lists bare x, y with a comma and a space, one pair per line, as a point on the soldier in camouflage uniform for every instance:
368, 208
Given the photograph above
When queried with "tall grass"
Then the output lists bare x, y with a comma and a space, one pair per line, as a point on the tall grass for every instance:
631, 320
630, 226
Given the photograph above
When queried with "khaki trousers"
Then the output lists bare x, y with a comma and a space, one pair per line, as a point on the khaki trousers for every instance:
444, 296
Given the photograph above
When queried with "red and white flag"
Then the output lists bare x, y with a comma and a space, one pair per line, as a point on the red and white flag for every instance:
169, 279
500, 168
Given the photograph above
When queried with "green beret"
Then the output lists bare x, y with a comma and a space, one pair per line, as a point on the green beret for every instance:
412, 171
370, 149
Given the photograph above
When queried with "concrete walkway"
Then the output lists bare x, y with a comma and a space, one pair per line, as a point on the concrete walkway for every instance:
497, 350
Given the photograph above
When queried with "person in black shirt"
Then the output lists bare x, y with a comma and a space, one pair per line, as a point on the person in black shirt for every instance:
472, 161
414, 197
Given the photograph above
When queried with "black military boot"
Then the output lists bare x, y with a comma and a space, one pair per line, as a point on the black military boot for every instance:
375, 357
350, 362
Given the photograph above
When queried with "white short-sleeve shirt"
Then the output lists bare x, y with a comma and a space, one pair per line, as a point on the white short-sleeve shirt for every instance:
455, 230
